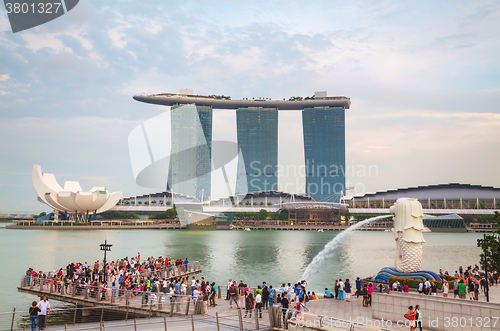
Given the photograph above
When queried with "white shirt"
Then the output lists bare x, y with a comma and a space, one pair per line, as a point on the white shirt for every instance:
258, 298
43, 305
341, 286
196, 293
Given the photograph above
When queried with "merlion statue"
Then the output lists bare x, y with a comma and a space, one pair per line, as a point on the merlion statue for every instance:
408, 226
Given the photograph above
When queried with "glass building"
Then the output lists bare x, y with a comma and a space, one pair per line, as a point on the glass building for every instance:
258, 140
190, 164
324, 151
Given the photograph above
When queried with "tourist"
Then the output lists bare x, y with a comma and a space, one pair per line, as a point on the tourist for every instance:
455, 287
462, 289
410, 315
233, 296
265, 296
340, 285
284, 307
476, 290
313, 296
369, 292
471, 287
258, 304
405, 288
445, 288
336, 289
421, 287
242, 294
271, 296
434, 289
33, 311
358, 287
301, 308
347, 288
328, 294
249, 303
427, 287
44, 307
205, 300
228, 287
380, 288
395, 286
400, 287
418, 317
213, 295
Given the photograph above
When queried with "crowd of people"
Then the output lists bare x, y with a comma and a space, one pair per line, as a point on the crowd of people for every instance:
148, 276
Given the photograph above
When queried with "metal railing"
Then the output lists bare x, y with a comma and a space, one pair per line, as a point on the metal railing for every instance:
293, 318
101, 318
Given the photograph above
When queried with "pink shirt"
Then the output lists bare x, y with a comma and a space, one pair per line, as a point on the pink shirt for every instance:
369, 289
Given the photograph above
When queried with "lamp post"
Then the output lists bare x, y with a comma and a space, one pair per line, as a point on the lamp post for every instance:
480, 243
105, 247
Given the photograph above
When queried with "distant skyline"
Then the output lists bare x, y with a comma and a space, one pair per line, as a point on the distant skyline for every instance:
423, 78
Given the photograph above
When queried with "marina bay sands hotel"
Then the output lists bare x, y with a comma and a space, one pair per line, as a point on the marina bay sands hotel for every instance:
323, 124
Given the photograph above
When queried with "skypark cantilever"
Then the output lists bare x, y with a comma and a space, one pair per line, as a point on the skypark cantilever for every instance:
170, 99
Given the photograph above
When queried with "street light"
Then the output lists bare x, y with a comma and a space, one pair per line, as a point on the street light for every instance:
480, 243
105, 247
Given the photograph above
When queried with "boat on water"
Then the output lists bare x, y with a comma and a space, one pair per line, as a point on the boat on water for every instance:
320, 230
247, 229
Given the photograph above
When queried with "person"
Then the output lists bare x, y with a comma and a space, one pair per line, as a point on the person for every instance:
434, 289
271, 295
33, 311
301, 308
340, 285
205, 301
418, 317
455, 287
249, 303
347, 288
233, 296
427, 287
369, 292
445, 288
471, 287
258, 304
313, 296
410, 315
44, 306
405, 288
265, 297
421, 287
462, 288
284, 307
241, 292
336, 289
328, 294
358, 287
229, 284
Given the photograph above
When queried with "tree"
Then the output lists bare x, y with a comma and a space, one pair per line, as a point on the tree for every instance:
240, 203
269, 203
247, 203
261, 203
139, 202
169, 202
42, 214
153, 202
146, 202
491, 248
161, 202
255, 203
263, 214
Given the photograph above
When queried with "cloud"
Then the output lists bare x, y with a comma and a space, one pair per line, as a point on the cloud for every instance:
4, 77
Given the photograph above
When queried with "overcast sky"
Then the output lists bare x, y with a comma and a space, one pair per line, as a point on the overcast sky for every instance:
423, 78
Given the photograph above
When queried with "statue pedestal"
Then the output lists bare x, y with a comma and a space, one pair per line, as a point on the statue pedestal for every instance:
384, 274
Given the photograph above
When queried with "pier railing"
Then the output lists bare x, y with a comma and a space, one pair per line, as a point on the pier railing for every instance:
165, 273
101, 318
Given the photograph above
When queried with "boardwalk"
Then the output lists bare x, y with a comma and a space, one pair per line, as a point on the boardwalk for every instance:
137, 303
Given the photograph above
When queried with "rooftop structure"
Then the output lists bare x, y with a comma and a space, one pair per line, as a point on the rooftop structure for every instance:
170, 99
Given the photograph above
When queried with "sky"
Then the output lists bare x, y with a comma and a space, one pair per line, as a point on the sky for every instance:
423, 78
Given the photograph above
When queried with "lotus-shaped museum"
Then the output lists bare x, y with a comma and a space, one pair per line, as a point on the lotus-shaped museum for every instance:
72, 199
